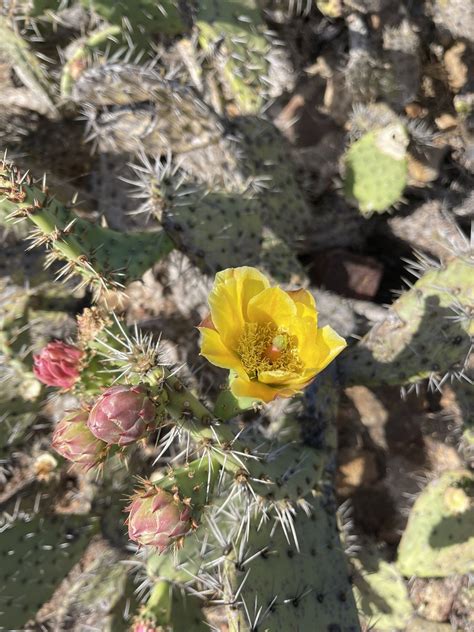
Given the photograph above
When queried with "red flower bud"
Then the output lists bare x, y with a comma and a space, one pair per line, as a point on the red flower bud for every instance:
57, 364
121, 414
157, 518
73, 440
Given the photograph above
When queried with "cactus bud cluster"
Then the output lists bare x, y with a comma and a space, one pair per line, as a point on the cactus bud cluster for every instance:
120, 417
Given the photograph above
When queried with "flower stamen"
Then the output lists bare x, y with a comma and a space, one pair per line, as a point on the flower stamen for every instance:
264, 347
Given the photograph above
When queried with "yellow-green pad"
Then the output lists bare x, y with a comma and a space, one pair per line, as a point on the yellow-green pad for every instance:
439, 538
376, 169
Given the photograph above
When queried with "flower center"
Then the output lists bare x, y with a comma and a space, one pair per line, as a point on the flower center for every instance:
265, 347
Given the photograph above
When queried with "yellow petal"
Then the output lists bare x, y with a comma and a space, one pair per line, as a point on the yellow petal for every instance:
305, 305
330, 344
272, 305
302, 296
229, 298
258, 391
287, 381
214, 350
278, 377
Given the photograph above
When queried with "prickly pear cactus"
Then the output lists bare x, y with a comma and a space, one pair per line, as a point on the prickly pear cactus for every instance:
38, 552
380, 591
142, 18
439, 540
231, 503
94, 252
376, 169
427, 332
277, 585
232, 34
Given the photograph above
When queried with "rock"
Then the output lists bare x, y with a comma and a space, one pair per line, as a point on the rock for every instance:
433, 598
348, 274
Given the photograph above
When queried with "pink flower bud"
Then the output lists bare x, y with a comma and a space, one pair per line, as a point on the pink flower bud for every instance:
157, 518
57, 364
73, 440
121, 414
144, 626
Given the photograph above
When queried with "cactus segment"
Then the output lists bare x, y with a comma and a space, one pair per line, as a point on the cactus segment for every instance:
99, 40
380, 591
377, 169
143, 18
427, 332
265, 157
171, 609
216, 230
104, 258
232, 35
282, 585
439, 540
38, 552
27, 67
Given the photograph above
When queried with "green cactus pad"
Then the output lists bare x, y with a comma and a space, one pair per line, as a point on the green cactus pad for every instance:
439, 538
290, 588
265, 156
18, 53
105, 258
142, 17
232, 34
427, 332
376, 169
380, 591
37, 554
216, 230
279, 261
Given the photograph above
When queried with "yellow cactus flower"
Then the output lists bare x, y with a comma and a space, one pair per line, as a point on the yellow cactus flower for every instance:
268, 338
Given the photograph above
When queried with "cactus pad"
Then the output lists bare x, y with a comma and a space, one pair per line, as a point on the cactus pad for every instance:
284, 586
37, 555
232, 34
142, 18
427, 332
439, 539
377, 169
380, 591
105, 258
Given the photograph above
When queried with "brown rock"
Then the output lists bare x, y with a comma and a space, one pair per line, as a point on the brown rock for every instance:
348, 274
433, 598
